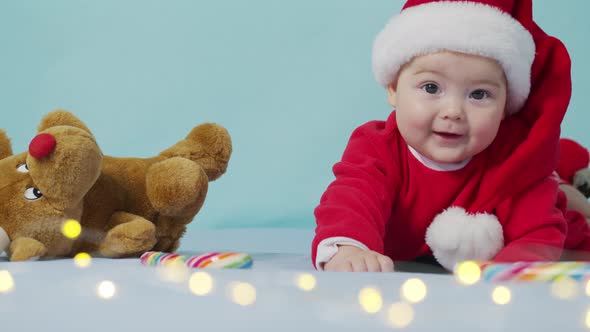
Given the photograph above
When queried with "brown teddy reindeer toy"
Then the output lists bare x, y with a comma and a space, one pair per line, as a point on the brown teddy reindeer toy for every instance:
125, 206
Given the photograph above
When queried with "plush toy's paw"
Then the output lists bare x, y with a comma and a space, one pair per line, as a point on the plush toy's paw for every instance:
167, 244
209, 145
129, 239
217, 146
177, 186
582, 181
26, 248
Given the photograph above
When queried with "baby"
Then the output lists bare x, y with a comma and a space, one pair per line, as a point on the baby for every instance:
462, 168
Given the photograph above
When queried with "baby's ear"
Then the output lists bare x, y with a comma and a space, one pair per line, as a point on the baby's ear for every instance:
5, 147
61, 118
391, 94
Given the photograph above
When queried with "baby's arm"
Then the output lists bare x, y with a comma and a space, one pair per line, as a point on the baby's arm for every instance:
358, 203
534, 225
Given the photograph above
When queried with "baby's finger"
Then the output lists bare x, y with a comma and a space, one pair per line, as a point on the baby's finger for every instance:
358, 264
346, 267
386, 263
340, 266
373, 264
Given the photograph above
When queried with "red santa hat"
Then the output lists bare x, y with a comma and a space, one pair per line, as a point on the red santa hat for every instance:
477, 27
526, 148
573, 157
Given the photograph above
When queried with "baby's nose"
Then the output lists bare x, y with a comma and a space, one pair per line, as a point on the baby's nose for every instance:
452, 111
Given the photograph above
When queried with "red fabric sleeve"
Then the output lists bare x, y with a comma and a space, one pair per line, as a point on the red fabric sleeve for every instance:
358, 202
534, 224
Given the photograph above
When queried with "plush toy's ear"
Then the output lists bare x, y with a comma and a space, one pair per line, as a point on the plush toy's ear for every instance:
61, 118
5, 147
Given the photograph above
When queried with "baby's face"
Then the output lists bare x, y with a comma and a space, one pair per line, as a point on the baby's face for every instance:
449, 105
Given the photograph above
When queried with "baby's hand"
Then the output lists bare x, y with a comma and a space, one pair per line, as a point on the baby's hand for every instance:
354, 259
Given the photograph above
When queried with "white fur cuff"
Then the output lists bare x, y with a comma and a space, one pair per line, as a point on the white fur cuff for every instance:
329, 247
455, 236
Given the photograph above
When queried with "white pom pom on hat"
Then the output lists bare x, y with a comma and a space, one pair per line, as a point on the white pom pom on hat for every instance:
455, 236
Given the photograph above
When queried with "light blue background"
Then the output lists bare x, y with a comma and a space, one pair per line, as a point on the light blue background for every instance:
288, 79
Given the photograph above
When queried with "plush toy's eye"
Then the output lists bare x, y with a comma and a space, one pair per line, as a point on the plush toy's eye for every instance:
33, 194
22, 168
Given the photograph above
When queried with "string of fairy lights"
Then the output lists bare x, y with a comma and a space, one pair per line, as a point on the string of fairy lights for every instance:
399, 314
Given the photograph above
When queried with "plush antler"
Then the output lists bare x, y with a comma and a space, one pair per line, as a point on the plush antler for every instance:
5, 147
61, 118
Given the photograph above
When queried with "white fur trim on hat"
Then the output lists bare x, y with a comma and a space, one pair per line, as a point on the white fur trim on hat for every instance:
459, 26
455, 236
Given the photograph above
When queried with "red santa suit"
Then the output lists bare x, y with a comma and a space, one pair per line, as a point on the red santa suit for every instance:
504, 203
388, 198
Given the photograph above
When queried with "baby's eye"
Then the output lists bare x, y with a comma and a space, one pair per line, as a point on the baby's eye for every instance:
479, 94
430, 88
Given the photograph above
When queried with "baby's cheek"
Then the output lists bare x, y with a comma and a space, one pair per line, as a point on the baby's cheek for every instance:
483, 136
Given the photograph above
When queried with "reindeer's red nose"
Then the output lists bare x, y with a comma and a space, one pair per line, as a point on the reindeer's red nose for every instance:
41, 145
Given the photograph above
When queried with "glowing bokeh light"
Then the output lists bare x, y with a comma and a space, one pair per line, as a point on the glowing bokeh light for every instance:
587, 319
106, 289
588, 287
400, 314
306, 282
6, 282
82, 259
71, 229
468, 273
370, 300
564, 288
243, 293
414, 290
200, 283
173, 271
501, 295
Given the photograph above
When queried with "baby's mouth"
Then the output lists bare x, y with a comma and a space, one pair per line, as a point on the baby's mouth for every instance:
447, 134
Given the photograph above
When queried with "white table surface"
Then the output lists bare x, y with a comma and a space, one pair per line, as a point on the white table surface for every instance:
57, 295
